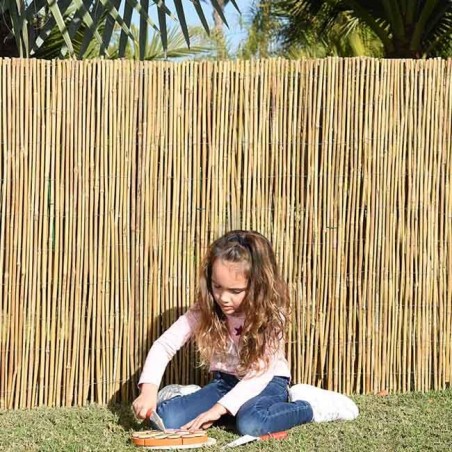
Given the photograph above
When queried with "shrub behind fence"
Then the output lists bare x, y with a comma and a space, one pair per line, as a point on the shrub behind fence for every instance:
115, 176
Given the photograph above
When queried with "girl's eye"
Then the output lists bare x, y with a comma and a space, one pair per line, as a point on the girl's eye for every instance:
237, 292
216, 286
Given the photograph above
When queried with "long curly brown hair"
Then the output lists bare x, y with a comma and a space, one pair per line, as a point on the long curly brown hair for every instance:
266, 303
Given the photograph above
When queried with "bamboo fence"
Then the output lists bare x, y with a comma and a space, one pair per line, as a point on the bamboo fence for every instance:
115, 176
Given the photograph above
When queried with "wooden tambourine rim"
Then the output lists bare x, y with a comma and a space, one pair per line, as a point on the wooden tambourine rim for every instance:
209, 442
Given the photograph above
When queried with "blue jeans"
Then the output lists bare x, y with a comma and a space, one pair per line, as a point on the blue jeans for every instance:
268, 412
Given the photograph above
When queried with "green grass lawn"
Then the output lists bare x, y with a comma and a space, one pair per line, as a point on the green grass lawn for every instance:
417, 421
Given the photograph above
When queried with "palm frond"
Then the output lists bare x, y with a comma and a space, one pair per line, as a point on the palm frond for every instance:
118, 13
54, 45
154, 49
406, 28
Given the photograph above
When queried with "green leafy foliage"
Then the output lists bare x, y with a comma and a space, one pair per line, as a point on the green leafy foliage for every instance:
267, 36
91, 20
153, 50
404, 28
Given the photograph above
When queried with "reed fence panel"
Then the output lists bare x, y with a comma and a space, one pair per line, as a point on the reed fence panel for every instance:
115, 176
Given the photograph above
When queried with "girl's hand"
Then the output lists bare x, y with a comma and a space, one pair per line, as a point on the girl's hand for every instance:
146, 402
206, 419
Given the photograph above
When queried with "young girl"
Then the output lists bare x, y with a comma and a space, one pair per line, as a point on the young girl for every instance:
239, 323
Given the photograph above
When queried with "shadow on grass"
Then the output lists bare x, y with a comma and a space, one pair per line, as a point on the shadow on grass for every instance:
120, 404
123, 411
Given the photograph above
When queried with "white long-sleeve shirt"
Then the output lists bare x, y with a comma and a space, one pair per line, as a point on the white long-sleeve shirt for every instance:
252, 384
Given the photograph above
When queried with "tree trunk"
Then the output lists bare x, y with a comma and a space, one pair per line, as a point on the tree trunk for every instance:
401, 47
216, 17
218, 34
402, 50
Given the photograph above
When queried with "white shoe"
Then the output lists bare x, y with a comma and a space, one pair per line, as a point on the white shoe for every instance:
326, 405
170, 391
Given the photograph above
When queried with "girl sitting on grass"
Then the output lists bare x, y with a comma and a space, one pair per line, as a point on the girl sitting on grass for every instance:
239, 323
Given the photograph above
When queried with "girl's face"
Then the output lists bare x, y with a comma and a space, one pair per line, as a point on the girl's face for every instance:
229, 285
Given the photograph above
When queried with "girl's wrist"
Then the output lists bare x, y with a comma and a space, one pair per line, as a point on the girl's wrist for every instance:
220, 409
148, 388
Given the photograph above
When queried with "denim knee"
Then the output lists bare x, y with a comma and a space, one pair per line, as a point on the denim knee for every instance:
250, 423
171, 417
